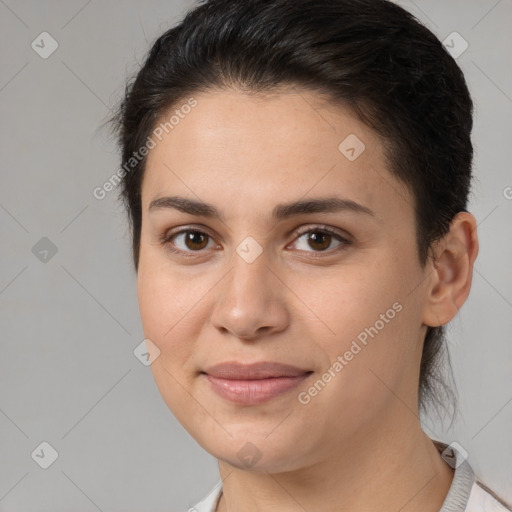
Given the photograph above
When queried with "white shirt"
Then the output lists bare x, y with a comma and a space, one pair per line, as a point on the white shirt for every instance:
466, 493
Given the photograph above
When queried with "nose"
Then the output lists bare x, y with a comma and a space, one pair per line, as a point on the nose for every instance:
251, 303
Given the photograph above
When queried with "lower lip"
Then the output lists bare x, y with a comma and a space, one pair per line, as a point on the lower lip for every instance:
251, 392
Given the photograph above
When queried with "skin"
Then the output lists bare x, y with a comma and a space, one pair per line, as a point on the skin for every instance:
356, 439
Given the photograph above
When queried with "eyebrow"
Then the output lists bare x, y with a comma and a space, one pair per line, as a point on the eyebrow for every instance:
280, 212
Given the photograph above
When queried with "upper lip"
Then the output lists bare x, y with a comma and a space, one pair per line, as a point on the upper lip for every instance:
253, 371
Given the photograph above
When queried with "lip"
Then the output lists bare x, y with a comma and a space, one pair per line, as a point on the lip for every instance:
254, 383
251, 371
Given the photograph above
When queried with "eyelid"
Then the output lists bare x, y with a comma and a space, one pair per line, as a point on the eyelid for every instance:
344, 238
324, 228
166, 236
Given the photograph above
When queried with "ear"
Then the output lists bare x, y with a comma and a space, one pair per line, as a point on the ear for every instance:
451, 271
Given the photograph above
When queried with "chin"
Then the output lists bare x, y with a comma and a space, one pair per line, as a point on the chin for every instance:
255, 451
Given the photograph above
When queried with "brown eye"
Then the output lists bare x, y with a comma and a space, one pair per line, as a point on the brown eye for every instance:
196, 240
188, 240
319, 241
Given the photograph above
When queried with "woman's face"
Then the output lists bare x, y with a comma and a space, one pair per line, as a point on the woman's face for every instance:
264, 282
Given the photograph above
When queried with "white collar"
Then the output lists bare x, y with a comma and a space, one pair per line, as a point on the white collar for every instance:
466, 494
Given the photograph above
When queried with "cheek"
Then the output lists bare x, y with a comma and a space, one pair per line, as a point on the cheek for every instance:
345, 300
167, 312
168, 305
164, 294
368, 327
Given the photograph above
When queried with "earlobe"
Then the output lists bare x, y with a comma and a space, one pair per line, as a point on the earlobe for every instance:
451, 271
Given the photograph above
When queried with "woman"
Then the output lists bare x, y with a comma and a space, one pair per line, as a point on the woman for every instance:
296, 175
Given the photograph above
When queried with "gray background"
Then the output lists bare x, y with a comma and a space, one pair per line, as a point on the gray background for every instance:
69, 325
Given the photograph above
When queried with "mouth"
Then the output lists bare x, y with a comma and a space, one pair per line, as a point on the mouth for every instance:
251, 384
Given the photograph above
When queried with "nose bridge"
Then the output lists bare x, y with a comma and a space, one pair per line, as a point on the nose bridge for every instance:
249, 279
249, 299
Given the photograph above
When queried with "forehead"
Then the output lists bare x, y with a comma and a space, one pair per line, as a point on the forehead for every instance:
246, 152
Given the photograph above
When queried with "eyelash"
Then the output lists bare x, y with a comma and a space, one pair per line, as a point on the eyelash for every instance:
166, 238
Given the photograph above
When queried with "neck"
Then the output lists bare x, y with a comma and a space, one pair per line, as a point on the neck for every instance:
394, 468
